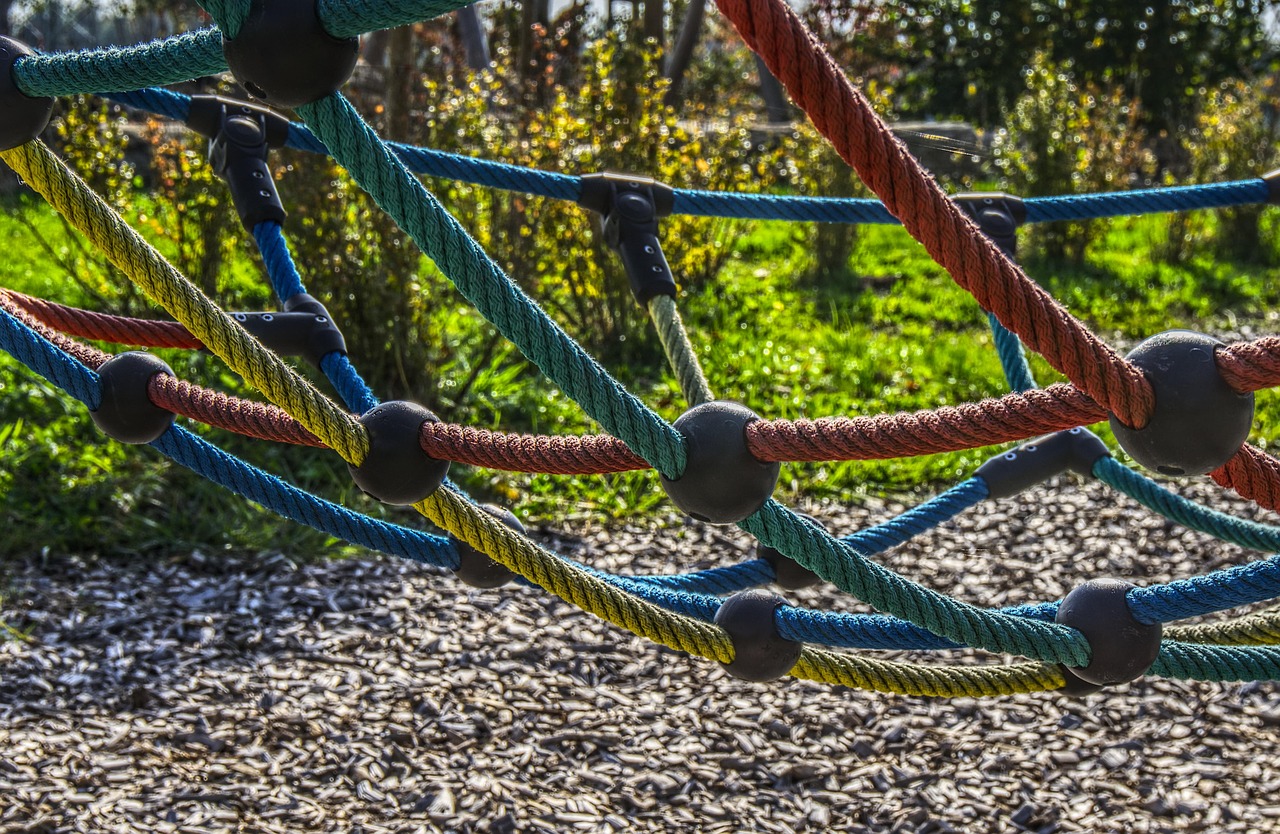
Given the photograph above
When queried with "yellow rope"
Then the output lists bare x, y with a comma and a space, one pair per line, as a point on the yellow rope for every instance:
679, 350
502, 544
219, 332
914, 679
1261, 629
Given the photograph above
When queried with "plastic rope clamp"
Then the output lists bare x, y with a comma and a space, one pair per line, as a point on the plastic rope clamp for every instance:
240, 136
631, 207
723, 482
1199, 421
1075, 450
998, 215
22, 117
284, 56
789, 574
310, 335
126, 412
476, 568
1272, 180
397, 470
1121, 648
760, 653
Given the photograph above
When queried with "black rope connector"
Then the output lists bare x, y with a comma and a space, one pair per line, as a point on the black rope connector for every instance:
723, 482
760, 653
1199, 421
240, 137
1121, 648
1272, 179
997, 214
476, 568
631, 207
284, 56
22, 117
1075, 450
397, 470
789, 574
312, 336
126, 413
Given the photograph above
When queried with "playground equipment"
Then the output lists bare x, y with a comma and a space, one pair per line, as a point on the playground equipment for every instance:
1181, 403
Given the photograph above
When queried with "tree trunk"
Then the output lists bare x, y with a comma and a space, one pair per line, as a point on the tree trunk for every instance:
655, 21
775, 98
399, 82
5, 6
375, 47
474, 41
682, 55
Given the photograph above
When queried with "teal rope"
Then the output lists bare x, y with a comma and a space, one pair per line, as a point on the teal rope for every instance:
359, 149
230, 14
345, 19
849, 570
111, 70
1195, 661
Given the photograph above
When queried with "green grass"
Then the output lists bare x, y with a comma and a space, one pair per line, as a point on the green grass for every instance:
896, 334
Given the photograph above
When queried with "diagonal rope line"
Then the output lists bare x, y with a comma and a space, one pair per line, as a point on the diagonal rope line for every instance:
679, 350
149, 270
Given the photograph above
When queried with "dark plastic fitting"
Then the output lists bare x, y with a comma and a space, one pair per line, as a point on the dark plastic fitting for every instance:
397, 470
310, 335
1272, 179
476, 568
126, 413
789, 574
1199, 421
997, 214
22, 117
207, 113
1074, 685
631, 207
1075, 450
1122, 649
283, 55
240, 137
723, 482
759, 652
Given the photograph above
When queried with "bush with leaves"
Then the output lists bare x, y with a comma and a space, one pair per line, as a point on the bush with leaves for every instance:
1062, 137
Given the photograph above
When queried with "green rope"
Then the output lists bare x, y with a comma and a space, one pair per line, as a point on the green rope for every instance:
1262, 629
344, 19
359, 149
679, 350
230, 14
112, 70
1194, 661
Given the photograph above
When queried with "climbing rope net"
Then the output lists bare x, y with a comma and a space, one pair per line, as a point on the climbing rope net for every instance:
1181, 403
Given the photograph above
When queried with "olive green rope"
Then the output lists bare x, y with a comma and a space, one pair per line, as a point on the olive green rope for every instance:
147, 268
679, 349
1261, 629
933, 681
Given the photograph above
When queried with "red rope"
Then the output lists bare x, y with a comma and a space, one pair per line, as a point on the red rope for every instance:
252, 419
1012, 417
845, 118
564, 455
1253, 474
1250, 366
106, 328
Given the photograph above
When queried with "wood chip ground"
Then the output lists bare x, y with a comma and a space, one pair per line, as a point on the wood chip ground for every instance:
205, 693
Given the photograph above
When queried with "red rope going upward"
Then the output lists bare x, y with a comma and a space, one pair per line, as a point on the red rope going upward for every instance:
846, 119
1250, 366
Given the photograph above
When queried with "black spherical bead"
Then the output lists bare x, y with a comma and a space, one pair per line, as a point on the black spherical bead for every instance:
397, 470
22, 117
1199, 421
1122, 649
476, 568
759, 652
126, 412
789, 574
283, 55
723, 482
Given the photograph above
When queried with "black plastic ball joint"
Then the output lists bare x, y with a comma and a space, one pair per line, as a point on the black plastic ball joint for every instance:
475, 567
283, 55
1122, 649
759, 652
397, 470
723, 482
22, 117
789, 574
1199, 421
126, 412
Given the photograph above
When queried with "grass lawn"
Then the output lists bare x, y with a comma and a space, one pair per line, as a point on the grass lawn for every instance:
895, 334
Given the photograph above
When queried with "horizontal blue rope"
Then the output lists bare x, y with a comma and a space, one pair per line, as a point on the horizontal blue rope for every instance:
757, 206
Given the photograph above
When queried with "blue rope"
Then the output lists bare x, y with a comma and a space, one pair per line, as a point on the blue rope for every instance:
756, 206
344, 378
919, 519
1205, 594
281, 269
248, 481
46, 359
